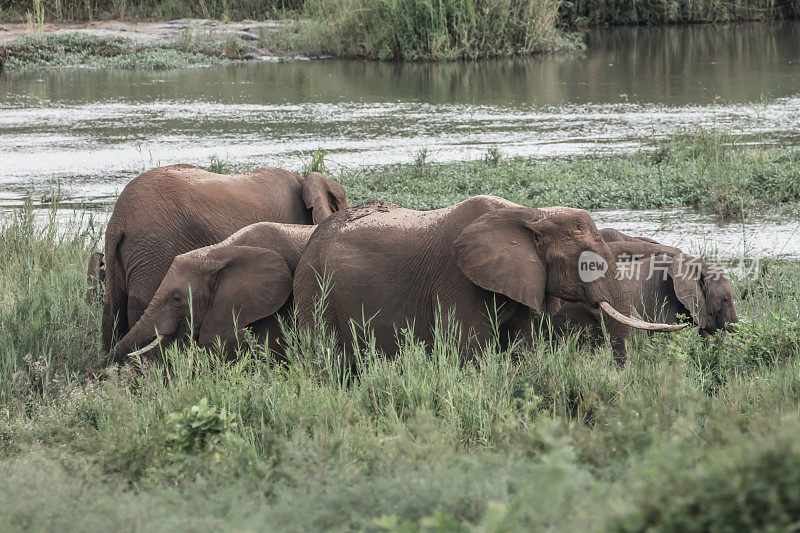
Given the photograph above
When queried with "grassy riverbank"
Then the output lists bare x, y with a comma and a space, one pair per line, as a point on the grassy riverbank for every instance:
712, 172
388, 29
579, 12
49, 51
689, 436
80, 10
729, 182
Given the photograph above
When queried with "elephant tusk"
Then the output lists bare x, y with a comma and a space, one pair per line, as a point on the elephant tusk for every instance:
147, 348
637, 323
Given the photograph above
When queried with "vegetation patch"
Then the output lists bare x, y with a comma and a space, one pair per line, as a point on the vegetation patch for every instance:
622, 12
438, 29
48, 50
690, 435
407, 29
712, 172
145, 9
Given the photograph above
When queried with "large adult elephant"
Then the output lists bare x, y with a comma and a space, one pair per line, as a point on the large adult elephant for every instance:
664, 283
171, 210
400, 268
243, 282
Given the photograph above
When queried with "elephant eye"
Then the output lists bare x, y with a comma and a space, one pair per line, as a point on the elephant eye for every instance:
176, 297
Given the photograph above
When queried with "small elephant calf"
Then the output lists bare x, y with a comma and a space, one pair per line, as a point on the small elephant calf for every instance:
244, 281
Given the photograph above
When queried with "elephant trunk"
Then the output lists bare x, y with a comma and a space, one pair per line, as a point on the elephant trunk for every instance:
142, 334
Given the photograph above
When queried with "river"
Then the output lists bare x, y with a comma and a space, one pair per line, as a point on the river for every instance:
88, 132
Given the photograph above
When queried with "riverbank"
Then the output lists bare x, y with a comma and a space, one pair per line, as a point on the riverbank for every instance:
689, 436
400, 31
143, 46
320, 28
711, 172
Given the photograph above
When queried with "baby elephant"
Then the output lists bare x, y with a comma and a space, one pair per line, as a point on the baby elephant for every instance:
663, 286
244, 281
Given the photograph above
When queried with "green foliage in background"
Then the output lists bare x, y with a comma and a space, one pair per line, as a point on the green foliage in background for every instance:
61, 10
621, 12
703, 170
713, 172
437, 29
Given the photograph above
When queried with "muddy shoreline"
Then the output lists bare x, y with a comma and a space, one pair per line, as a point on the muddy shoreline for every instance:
253, 40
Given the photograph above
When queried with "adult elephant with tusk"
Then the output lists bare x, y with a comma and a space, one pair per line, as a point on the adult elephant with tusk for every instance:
171, 210
244, 281
402, 268
664, 286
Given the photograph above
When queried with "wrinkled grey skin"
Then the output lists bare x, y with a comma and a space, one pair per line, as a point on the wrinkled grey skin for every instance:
171, 210
247, 276
404, 267
663, 286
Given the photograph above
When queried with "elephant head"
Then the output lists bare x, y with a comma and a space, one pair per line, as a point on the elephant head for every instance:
323, 196
704, 291
533, 255
229, 287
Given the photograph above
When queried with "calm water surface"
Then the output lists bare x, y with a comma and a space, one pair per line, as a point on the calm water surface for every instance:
89, 132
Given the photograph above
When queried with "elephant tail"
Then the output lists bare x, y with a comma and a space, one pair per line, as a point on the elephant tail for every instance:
115, 303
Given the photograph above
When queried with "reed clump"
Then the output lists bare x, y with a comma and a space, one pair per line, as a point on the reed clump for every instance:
439, 29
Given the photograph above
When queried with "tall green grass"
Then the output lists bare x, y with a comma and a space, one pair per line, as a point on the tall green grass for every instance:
690, 435
621, 12
47, 329
437, 29
710, 171
713, 172
61, 10
574, 12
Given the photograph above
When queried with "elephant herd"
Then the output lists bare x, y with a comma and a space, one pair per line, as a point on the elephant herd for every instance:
193, 253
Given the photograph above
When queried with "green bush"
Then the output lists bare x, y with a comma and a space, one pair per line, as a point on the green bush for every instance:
751, 485
438, 29
198, 427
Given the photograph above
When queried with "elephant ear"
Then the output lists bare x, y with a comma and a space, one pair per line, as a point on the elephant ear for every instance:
687, 279
251, 283
323, 196
497, 252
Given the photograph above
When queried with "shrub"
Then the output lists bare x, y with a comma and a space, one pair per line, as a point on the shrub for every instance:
747, 484
199, 427
438, 29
